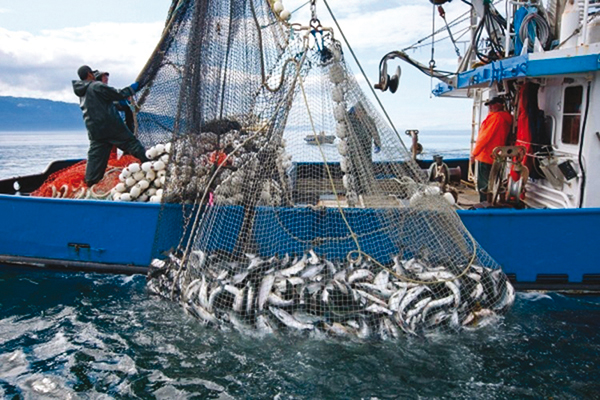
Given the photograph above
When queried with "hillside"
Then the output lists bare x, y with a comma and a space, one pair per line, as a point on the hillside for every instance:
26, 114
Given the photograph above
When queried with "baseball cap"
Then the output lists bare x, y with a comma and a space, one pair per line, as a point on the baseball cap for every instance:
99, 74
494, 100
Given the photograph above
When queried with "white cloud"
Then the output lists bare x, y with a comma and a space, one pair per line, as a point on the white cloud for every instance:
43, 65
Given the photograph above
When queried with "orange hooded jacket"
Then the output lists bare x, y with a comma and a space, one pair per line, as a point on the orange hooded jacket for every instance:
493, 132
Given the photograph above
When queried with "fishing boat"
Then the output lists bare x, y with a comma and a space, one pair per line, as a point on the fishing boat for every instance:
544, 60
539, 228
321, 138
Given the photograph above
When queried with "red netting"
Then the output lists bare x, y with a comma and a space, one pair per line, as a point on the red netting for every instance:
70, 182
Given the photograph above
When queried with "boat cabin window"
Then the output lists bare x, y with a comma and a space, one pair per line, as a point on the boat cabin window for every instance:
572, 114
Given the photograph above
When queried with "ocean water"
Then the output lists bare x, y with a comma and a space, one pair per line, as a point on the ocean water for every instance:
24, 153
98, 336
93, 336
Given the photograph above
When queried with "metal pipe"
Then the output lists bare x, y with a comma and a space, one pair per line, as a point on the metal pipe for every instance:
584, 22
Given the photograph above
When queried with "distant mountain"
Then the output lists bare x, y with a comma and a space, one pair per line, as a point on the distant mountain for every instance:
25, 114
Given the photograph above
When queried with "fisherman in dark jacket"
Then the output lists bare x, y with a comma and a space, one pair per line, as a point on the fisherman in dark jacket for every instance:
104, 125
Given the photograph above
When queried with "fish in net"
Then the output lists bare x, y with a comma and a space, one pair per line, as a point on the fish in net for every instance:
344, 239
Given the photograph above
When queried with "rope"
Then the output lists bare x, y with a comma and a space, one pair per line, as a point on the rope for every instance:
542, 30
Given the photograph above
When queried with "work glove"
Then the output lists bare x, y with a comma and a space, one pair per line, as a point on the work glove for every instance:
124, 103
377, 149
135, 86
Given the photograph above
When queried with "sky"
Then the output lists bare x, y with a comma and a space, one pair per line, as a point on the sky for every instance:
43, 42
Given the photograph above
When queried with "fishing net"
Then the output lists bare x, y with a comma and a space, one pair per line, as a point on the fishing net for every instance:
69, 183
302, 211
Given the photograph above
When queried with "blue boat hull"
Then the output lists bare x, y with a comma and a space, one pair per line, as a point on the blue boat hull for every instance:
83, 234
545, 248
550, 247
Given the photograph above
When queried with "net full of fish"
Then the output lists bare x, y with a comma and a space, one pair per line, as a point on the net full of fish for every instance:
314, 296
235, 103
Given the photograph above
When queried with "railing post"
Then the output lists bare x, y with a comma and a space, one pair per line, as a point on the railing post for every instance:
584, 23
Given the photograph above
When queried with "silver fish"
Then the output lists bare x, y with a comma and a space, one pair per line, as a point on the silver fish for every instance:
314, 287
222, 275
382, 279
435, 304
203, 314
375, 290
398, 267
437, 318
377, 309
203, 293
371, 298
342, 287
278, 301
359, 274
390, 327
239, 277
313, 257
249, 298
295, 268
238, 324
418, 307
338, 329
325, 293
411, 295
231, 289
175, 259
414, 266
238, 302
306, 318
280, 285
477, 292
312, 271
477, 269
289, 320
295, 281
394, 301
263, 325
340, 276
191, 289
435, 276
265, 290
331, 269
455, 291
353, 324
507, 299
255, 262
213, 295
474, 276
364, 331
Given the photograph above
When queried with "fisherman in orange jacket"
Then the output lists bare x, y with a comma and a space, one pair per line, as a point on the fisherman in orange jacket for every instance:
493, 132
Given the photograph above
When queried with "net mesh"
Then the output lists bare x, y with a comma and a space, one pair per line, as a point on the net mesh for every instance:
302, 211
69, 183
